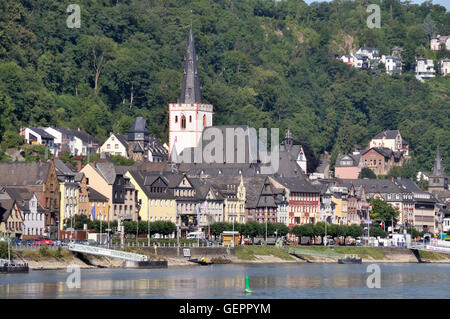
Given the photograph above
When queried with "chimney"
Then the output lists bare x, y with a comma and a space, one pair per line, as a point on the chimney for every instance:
79, 166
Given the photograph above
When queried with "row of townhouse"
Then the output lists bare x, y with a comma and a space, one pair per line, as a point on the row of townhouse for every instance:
30, 193
61, 140
347, 202
195, 198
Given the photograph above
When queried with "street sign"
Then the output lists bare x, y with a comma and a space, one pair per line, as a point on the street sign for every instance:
368, 221
186, 252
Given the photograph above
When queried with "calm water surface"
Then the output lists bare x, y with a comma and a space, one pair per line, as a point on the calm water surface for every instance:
228, 281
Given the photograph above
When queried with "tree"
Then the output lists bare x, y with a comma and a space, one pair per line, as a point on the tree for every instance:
377, 232
367, 173
382, 211
355, 231
98, 51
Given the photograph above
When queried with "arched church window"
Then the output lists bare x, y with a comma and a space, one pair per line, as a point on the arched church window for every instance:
190, 118
183, 121
176, 119
204, 120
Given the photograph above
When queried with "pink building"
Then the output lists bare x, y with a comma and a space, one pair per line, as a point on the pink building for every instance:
347, 166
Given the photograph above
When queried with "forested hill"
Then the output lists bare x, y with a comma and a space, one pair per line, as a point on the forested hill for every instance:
261, 62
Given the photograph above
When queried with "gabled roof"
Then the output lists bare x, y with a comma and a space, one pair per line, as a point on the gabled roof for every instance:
95, 196
348, 157
22, 197
389, 134
85, 137
24, 173
295, 184
62, 168
386, 152
157, 148
42, 133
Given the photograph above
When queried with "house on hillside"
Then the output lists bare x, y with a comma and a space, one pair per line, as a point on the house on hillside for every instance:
361, 62
348, 59
393, 64
75, 142
381, 159
391, 139
371, 53
424, 69
440, 41
116, 144
444, 65
38, 136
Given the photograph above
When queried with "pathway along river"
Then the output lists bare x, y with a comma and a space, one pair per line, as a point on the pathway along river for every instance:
228, 281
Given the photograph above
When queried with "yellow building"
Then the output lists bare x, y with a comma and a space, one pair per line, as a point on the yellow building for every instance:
339, 198
155, 195
11, 219
234, 203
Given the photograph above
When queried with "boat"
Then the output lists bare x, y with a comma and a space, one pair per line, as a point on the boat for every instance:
7, 266
350, 259
201, 261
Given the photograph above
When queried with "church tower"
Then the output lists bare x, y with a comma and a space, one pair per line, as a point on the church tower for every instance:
437, 180
188, 117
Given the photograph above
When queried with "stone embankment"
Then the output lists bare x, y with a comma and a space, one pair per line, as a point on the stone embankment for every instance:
239, 255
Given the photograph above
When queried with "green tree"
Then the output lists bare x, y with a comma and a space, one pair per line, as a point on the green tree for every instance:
367, 173
382, 211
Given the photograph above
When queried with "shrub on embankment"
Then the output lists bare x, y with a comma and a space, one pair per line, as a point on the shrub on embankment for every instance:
250, 252
432, 256
44, 254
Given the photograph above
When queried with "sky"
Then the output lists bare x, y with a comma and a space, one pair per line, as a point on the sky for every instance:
445, 3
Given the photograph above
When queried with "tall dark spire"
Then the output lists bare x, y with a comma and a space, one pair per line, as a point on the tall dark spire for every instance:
190, 85
438, 169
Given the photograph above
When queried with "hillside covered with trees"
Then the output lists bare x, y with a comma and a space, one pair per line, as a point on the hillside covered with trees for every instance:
261, 62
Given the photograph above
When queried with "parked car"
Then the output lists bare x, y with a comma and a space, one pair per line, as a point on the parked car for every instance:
43, 241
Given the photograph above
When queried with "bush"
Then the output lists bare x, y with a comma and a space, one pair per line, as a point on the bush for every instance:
44, 251
58, 253
4, 250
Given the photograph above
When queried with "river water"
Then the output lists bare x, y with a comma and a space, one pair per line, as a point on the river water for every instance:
228, 281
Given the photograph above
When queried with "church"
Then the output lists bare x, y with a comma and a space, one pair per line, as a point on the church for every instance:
189, 116
191, 126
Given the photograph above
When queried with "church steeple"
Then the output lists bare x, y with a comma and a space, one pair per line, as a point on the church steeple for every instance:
438, 169
190, 85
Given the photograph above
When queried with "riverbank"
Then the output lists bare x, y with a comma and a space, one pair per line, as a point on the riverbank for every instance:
61, 259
